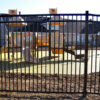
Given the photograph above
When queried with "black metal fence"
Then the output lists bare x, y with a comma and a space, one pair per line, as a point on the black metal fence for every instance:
50, 53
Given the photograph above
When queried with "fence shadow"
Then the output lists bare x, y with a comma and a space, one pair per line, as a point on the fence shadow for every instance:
8, 65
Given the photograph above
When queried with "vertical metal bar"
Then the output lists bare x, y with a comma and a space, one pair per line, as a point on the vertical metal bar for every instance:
91, 47
96, 48
80, 46
58, 47
86, 56
67, 42
63, 56
75, 58
29, 35
71, 55
4, 58
34, 49
1, 56
54, 53
46, 54
37, 24
16, 46
5, 52
9, 51
21, 45
41, 52
92, 53
24, 47
12, 29
50, 38
16, 49
8, 39
63, 37
50, 54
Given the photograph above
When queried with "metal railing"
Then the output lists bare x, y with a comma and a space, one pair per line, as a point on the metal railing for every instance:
50, 53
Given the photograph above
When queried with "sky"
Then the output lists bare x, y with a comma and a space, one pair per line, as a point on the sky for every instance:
42, 6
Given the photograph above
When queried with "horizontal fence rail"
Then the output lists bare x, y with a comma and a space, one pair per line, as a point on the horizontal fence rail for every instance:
50, 53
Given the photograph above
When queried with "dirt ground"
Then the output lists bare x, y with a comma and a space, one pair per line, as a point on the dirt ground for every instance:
44, 96
47, 83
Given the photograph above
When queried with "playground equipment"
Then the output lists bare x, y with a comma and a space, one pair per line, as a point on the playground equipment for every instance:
57, 43
3, 37
42, 39
24, 40
28, 41
18, 24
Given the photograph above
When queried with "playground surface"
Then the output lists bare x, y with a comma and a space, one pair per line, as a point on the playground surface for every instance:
55, 65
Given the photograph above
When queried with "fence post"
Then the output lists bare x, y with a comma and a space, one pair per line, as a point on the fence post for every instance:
86, 55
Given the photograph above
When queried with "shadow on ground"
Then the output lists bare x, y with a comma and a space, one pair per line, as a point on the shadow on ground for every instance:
8, 65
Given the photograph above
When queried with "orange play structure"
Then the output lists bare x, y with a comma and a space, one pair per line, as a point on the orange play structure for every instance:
42, 40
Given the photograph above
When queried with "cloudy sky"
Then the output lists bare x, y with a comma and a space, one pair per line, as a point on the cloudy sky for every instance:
42, 6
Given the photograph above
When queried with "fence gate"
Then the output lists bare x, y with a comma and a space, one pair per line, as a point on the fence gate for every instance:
50, 53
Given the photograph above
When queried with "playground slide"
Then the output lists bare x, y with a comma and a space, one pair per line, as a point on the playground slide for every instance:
28, 56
